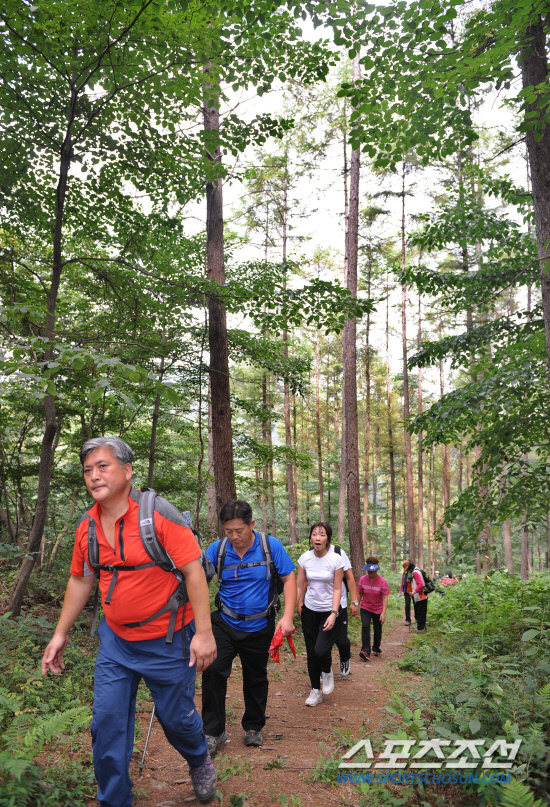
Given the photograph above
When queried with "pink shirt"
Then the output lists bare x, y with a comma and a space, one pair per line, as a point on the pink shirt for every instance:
372, 593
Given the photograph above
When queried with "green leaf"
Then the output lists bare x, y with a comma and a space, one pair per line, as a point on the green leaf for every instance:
95, 395
529, 634
475, 726
171, 394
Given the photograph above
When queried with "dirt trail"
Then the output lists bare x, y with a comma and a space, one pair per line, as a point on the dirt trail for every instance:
293, 733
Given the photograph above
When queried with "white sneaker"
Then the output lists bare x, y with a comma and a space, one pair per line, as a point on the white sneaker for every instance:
345, 668
315, 698
328, 682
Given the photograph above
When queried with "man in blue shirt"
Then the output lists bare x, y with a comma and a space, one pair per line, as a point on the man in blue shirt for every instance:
244, 623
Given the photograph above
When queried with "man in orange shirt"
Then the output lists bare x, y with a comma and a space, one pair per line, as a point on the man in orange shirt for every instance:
133, 589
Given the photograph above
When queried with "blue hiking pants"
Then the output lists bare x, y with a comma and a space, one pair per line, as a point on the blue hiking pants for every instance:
119, 668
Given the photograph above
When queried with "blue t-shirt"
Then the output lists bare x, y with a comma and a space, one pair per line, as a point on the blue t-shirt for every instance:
248, 593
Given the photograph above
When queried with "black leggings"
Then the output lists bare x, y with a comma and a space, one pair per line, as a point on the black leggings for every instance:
366, 617
420, 613
342, 640
319, 642
407, 607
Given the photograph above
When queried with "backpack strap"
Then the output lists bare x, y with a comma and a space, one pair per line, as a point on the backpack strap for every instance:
93, 558
222, 550
266, 551
148, 533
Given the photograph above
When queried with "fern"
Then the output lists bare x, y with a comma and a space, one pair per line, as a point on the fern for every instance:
14, 734
7, 700
544, 693
15, 766
46, 728
515, 794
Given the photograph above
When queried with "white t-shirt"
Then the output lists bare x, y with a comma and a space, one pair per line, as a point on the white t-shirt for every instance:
347, 565
320, 578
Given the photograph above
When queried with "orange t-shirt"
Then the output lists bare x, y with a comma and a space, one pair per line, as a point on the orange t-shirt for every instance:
137, 594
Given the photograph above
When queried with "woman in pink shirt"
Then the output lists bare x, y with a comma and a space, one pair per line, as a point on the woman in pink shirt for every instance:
373, 592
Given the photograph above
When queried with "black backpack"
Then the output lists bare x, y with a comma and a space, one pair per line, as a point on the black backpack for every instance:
275, 586
338, 550
429, 584
148, 502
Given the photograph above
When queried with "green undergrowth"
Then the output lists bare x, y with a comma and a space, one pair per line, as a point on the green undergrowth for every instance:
42, 719
480, 672
486, 664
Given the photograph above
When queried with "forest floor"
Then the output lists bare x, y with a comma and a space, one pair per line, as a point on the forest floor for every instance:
296, 736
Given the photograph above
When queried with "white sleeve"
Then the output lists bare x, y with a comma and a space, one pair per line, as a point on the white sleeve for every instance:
347, 564
339, 562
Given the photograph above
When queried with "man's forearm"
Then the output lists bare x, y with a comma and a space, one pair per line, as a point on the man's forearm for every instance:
290, 594
76, 596
199, 596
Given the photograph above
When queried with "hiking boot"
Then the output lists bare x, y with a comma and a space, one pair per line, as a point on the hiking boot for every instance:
376, 652
364, 656
407, 623
204, 779
344, 668
213, 742
328, 682
253, 738
315, 698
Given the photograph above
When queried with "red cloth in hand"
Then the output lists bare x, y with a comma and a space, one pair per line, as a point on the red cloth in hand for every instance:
278, 642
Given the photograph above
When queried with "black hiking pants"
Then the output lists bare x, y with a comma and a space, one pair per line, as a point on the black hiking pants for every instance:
342, 642
366, 618
407, 597
252, 648
319, 642
420, 614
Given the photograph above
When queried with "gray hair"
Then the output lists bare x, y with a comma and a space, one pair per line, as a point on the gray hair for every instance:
120, 449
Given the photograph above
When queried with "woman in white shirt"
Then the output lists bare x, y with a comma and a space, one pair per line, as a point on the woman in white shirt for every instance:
321, 572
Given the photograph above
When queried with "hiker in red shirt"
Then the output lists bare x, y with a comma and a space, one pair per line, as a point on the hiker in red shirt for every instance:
166, 649
373, 592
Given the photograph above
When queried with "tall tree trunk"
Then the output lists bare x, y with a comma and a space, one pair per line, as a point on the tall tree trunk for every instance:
446, 473
406, 399
524, 571
318, 423
292, 515
222, 436
265, 470
535, 73
375, 469
329, 442
357, 555
50, 420
507, 538
211, 514
434, 506
367, 414
342, 492
420, 455
390, 445
342, 488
